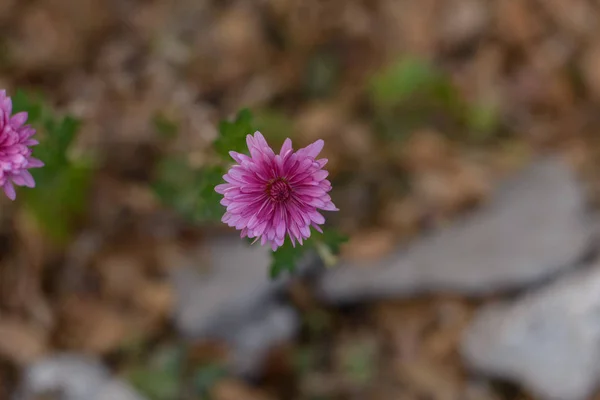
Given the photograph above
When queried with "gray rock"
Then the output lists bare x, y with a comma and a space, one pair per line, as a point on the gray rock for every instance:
548, 341
534, 227
115, 389
235, 302
233, 291
254, 341
72, 377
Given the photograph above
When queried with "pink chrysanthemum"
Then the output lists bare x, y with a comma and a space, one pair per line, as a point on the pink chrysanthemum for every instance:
268, 196
15, 153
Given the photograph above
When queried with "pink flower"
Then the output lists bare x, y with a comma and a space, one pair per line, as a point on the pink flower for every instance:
15, 154
270, 195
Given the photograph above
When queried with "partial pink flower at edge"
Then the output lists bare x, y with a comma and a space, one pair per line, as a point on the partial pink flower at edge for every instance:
269, 196
15, 149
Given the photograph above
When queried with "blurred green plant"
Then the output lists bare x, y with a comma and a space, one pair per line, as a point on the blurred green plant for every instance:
305, 360
188, 190
359, 361
317, 322
191, 193
160, 378
322, 73
408, 77
232, 134
205, 377
166, 375
287, 257
412, 92
165, 127
483, 121
62, 184
274, 124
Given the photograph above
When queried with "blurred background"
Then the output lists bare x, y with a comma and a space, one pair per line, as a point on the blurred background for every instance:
462, 138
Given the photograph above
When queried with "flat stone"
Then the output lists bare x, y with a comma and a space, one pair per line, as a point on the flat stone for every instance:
548, 340
233, 291
115, 389
235, 302
534, 227
252, 344
72, 377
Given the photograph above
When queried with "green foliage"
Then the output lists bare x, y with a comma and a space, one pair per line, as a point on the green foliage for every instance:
160, 378
166, 375
206, 376
304, 360
359, 360
232, 134
32, 103
483, 121
62, 184
287, 257
407, 78
333, 239
274, 124
191, 192
322, 74
167, 128
412, 93
155, 384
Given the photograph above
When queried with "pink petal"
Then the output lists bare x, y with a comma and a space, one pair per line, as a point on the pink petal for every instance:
260, 139
9, 190
34, 163
317, 217
320, 175
286, 148
18, 120
222, 188
24, 178
313, 150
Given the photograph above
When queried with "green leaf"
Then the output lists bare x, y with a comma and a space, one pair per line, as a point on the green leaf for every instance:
65, 133
168, 358
55, 135
31, 103
333, 239
399, 81
409, 77
160, 378
55, 140
232, 134
57, 201
286, 257
60, 195
190, 192
207, 376
155, 384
